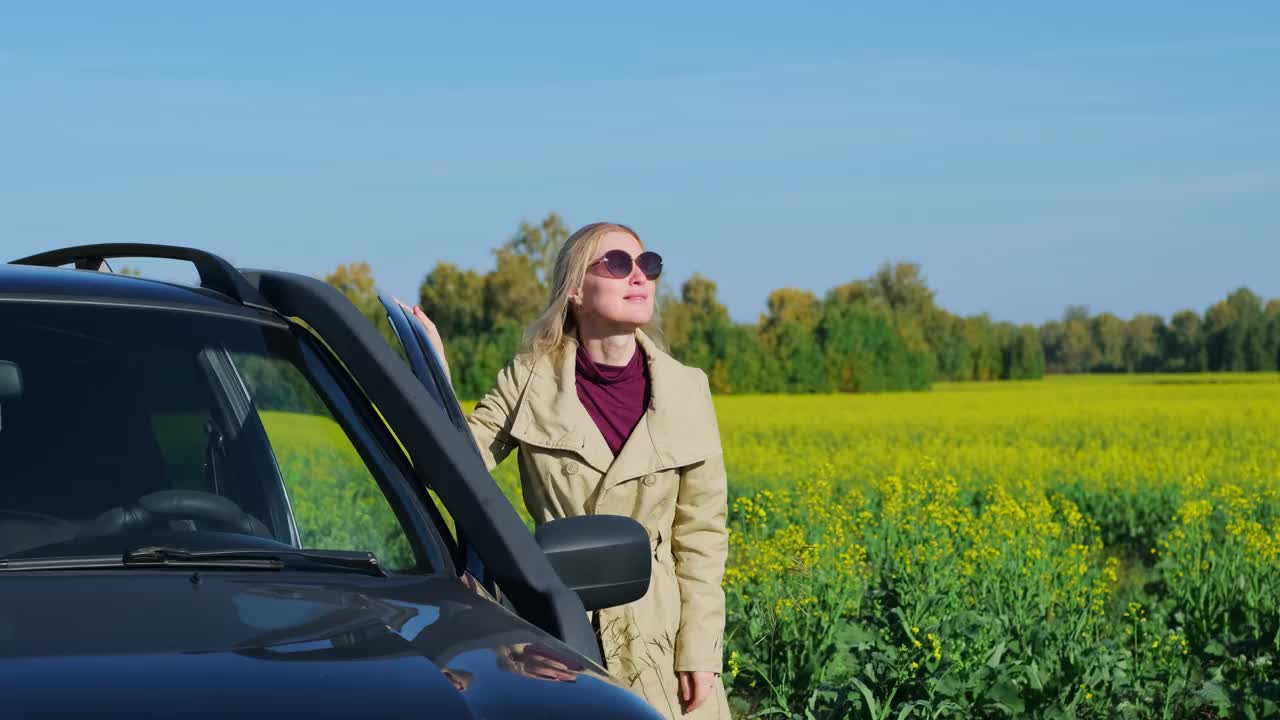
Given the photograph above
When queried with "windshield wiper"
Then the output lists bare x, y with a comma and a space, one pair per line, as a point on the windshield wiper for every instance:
232, 559
83, 562
365, 562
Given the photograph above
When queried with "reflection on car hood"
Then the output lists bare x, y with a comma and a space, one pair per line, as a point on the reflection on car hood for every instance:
243, 645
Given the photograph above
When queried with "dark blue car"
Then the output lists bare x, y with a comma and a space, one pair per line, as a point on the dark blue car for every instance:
237, 500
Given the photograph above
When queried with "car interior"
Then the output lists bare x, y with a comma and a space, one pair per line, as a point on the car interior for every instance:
103, 442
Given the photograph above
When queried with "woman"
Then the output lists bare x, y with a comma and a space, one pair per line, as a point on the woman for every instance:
606, 422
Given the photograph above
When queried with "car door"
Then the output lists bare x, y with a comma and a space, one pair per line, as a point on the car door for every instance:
423, 360
427, 367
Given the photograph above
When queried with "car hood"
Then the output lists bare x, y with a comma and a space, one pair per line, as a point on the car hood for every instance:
214, 644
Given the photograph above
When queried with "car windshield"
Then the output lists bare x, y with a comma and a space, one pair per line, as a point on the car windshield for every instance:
126, 427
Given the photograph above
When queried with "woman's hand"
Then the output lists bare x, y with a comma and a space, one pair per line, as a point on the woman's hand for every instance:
432, 333
695, 687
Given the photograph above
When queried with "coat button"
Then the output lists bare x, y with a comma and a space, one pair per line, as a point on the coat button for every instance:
571, 468
649, 480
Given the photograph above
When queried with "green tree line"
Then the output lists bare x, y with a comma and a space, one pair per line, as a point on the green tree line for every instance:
1239, 333
878, 333
882, 332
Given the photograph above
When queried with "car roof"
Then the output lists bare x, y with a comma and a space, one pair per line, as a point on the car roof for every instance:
25, 282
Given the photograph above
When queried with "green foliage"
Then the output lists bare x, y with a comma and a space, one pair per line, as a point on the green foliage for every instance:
336, 503
1079, 351
1271, 338
1143, 346
454, 299
512, 293
801, 358
985, 358
881, 333
1236, 334
1109, 341
356, 282
475, 360
947, 341
278, 386
540, 244
863, 353
699, 325
1184, 343
1022, 354
745, 366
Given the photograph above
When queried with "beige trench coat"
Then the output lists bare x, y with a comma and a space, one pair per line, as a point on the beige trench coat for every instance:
669, 476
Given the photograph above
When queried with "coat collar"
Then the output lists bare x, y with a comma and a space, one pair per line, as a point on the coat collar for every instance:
551, 415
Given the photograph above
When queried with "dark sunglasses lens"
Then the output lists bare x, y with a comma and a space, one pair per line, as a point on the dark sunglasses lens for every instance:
618, 263
650, 264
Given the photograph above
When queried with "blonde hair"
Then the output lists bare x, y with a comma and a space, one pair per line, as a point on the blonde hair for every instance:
548, 333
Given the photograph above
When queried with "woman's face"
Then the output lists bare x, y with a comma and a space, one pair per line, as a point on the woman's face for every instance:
607, 300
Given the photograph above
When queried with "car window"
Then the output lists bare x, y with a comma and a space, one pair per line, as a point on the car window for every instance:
139, 426
336, 501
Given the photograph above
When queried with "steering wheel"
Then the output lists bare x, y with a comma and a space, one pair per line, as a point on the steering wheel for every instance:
176, 504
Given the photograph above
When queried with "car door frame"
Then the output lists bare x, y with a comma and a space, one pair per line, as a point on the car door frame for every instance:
423, 360
427, 366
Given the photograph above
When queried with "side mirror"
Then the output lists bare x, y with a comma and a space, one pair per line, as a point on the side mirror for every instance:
606, 559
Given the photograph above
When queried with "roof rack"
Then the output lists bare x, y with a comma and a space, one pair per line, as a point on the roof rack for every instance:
215, 273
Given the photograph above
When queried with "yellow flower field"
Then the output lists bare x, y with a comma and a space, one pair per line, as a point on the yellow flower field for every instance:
1072, 547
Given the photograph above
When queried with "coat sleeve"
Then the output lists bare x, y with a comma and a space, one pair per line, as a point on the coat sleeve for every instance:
490, 421
700, 545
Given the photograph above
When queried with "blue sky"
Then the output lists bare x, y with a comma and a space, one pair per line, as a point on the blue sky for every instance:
1125, 156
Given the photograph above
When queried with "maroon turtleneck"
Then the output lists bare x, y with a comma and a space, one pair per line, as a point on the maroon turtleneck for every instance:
615, 396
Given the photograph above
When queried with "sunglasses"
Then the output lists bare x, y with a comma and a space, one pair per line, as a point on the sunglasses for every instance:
619, 263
